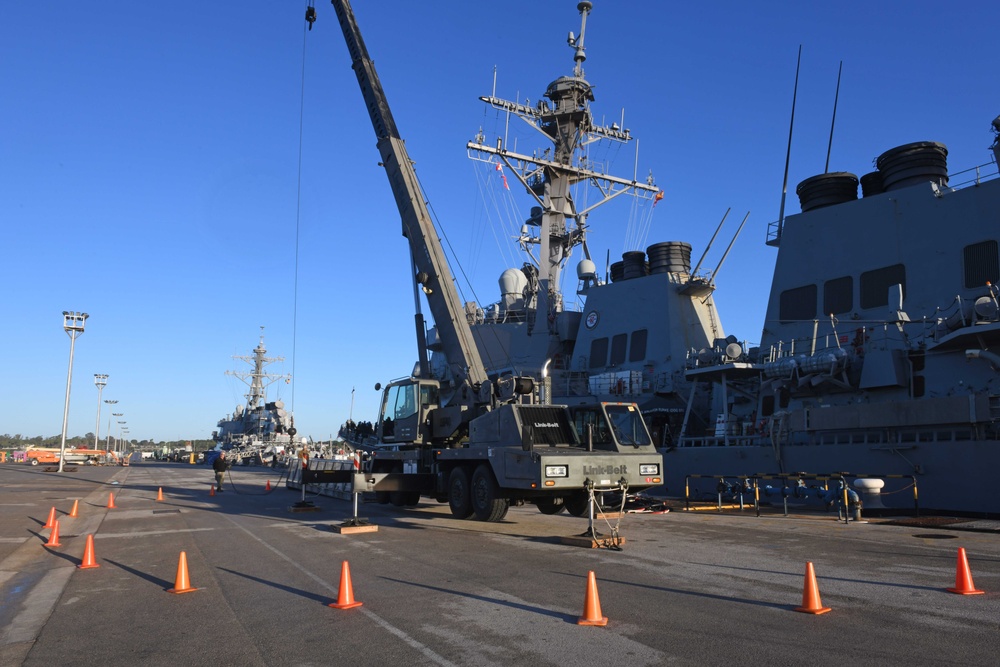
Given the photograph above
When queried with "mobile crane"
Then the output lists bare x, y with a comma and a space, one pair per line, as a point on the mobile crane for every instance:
462, 437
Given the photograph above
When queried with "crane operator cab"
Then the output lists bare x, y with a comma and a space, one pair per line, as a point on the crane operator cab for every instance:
405, 404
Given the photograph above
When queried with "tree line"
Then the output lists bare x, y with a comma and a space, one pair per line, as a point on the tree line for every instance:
18, 441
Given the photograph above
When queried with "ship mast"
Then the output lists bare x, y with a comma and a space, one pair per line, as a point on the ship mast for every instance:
257, 378
568, 124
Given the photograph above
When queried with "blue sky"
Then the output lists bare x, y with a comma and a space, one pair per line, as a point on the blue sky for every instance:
149, 161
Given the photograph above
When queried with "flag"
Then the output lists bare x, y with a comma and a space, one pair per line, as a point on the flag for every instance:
503, 176
657, 198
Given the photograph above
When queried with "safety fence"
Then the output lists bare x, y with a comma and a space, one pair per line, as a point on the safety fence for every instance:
318, 474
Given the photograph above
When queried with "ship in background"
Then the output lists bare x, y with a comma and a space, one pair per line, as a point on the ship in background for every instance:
880, 351
261, 429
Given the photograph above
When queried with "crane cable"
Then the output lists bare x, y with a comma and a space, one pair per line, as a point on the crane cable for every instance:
310, 19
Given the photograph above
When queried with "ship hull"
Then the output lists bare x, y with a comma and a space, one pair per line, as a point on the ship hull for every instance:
952, 475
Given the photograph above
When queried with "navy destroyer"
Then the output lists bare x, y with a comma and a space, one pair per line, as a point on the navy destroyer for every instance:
878, 361
879, 353
260, 429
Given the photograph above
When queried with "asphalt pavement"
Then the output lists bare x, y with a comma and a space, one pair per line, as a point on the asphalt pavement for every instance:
687, 588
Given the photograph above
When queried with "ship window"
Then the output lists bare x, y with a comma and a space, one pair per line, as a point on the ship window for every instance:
982, 264
618, 344
838, 296
599, 353
637, 352
798, 304
875, 285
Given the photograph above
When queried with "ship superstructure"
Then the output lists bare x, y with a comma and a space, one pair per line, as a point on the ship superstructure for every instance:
879, 354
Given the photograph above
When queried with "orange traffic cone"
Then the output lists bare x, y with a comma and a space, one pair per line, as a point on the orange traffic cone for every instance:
592, 604
159, 495
88, 555
76, 507
963, 577
181, 583
267, 487
810, 594
111, 501
54, 536
51, 521
345, 596
211, 491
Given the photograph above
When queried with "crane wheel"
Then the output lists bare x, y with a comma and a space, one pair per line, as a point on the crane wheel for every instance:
486, 500
550, 505
459, 493
578, 504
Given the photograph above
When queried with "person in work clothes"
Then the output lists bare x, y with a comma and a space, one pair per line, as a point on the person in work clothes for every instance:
220, 465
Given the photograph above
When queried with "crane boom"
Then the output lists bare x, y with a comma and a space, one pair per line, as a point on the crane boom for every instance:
431, 266
477, 443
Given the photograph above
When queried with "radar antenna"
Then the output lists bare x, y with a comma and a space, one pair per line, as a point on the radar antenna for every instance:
577, 42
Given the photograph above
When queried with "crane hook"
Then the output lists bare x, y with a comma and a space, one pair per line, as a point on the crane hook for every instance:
311, 15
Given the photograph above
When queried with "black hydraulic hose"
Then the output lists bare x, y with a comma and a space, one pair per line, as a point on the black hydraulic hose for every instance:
274, 487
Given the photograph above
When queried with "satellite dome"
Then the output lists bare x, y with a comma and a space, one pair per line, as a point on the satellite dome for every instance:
586, 269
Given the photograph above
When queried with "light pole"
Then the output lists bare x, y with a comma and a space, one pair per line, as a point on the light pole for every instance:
121, 429
111, 405
100, 380
73, 324
118, 414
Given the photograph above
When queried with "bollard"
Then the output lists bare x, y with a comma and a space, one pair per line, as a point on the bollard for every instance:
847, 507
357, 469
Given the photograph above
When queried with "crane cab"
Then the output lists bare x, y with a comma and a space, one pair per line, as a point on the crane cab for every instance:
404, 413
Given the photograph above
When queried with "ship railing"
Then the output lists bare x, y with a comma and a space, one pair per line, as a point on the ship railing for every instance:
617, 383
570, 383
862, 334
872, 436
808, 345
734, 439
634, 385
974, 175
773, 233
793, 486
